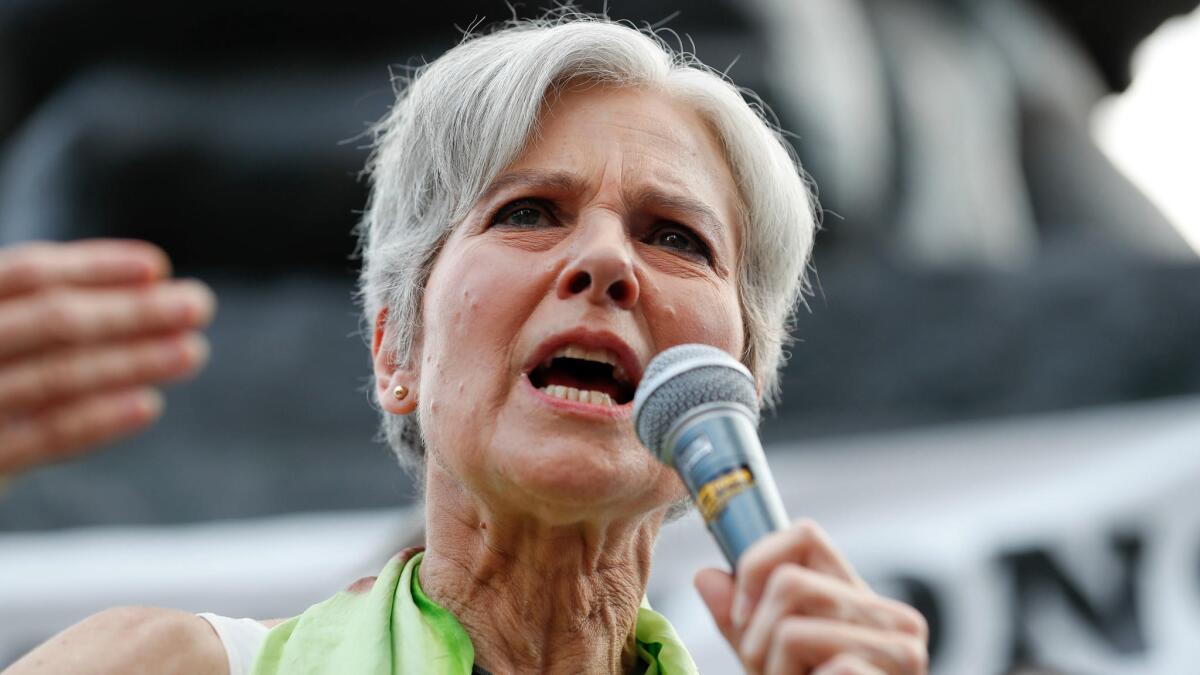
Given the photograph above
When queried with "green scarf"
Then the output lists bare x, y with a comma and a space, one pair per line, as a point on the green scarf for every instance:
395, 629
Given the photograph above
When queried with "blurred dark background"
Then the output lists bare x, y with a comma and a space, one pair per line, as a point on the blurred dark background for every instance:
980, 256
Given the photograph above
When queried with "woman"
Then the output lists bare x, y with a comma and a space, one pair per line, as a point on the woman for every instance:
552, 205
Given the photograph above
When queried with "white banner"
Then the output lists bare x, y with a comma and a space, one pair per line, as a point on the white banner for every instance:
1070, 541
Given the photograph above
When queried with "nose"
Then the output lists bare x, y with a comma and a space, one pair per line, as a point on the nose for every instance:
601, 269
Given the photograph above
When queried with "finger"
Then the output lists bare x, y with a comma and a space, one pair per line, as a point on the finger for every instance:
795, 590
804, 543
90, 262
76, 372
847, 664
798, 643
79, 316
716, 589
71, 428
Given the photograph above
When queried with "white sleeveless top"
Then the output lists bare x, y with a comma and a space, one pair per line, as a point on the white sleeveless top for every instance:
242, 639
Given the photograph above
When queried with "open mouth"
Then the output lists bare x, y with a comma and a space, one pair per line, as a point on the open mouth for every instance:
592, 376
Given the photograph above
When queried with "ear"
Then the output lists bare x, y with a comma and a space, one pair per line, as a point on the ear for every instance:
388, 374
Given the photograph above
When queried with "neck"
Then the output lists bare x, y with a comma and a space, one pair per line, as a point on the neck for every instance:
537, 597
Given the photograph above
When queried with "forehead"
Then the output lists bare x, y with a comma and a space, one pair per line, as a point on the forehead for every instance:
641, 139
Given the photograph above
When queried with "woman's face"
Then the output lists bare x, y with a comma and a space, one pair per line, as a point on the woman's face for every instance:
612, 238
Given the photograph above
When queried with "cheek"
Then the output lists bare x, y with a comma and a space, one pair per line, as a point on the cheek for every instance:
474, 307
681, 311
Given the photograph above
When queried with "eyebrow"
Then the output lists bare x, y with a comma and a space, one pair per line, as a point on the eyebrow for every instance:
689, 208
558, 181
692, 209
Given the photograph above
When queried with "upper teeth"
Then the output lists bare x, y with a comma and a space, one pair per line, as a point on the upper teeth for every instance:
598, 355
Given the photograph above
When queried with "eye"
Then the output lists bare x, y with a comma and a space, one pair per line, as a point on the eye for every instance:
525, 214
679, 238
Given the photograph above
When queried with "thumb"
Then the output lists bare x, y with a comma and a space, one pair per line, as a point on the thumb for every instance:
716, 588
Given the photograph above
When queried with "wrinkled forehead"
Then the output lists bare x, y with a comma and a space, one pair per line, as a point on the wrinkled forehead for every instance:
651, 144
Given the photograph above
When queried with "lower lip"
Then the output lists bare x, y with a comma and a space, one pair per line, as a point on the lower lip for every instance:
604, 412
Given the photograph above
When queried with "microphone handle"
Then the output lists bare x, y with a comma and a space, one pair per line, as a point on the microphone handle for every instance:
719, 456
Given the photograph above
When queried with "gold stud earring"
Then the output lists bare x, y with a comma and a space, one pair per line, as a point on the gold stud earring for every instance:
400, 392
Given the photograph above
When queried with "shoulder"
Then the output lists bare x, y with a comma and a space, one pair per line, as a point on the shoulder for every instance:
130, 640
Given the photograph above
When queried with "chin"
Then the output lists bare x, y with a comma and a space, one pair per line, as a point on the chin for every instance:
576, 477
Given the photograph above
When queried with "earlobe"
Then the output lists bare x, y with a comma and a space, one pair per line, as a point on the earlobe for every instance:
394, 385
396, 397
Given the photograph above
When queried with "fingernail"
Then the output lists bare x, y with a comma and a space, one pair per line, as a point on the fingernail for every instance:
195, 349
146, 271
184, 305
161, 265
152, 400
208, 302
143, 405
741, 607
194, 302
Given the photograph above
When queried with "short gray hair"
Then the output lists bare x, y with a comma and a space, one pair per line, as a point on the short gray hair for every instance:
460, 120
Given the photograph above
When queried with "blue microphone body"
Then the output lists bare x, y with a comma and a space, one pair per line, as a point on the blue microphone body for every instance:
717, 453
696, 410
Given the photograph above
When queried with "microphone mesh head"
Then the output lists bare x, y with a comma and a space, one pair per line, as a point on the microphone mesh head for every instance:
682, 378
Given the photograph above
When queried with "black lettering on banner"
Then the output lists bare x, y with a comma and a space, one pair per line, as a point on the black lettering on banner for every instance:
1117, 622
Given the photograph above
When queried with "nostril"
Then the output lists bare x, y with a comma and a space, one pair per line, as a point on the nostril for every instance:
619, 291
580, 282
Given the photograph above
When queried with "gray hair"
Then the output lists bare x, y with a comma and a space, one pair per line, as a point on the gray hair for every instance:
460, 120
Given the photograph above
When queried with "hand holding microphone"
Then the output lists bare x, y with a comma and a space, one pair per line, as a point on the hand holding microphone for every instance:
796, 605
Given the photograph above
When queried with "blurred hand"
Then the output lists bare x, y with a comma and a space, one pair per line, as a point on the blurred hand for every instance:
796, 606
87, 329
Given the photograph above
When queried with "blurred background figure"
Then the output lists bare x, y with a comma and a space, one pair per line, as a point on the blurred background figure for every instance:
993, 398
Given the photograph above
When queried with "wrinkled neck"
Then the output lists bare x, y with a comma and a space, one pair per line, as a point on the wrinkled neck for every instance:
537, 597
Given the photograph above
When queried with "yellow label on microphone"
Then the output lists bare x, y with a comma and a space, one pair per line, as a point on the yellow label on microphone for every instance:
716, 493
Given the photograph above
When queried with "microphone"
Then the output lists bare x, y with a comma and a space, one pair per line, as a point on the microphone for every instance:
696, 410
